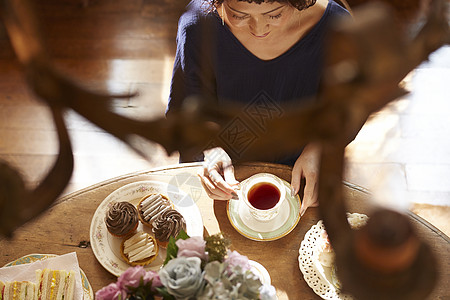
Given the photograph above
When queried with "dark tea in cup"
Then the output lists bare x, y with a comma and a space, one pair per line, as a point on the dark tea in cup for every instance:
263, 195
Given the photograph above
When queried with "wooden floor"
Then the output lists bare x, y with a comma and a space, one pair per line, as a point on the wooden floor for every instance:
402, 154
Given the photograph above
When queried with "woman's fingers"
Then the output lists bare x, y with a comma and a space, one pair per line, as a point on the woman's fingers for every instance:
228, 173
295, 180
310, 196
218, 174
307, 167
212, 190
219, 182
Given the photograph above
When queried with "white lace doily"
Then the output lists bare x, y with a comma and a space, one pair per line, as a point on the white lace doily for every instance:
316, 276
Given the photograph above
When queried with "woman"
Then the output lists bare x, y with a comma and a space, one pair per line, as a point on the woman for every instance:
248, 51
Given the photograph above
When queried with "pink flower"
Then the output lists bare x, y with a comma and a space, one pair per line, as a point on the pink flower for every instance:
235, 259
192, 247
154, 277
131, 277
110, 292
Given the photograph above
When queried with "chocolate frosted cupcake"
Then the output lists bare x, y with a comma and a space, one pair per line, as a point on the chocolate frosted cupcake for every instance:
121, 219
168, 223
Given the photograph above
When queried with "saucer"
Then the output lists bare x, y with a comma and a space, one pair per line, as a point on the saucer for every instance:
260, 271
286, 220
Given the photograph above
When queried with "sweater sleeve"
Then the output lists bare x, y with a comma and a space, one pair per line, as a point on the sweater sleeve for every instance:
192, 73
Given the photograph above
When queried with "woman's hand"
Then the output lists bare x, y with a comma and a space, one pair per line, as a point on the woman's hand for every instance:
307, 166
218, 174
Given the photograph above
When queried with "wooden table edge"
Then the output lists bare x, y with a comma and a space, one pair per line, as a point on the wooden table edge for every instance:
199, 164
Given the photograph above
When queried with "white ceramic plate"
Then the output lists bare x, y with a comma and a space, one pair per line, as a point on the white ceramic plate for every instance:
88, 293
260, 271
106, 247
286, 220
317, 276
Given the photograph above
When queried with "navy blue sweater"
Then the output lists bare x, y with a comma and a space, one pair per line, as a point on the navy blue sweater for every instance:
210, 61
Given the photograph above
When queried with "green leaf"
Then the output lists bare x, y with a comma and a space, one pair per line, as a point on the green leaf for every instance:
165, 294
172, 248
182, 235
142, 292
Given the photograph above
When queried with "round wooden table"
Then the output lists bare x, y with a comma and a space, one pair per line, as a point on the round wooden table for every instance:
65, 228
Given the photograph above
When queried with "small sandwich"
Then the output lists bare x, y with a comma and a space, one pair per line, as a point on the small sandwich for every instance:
55, 284
18, 290
2, 289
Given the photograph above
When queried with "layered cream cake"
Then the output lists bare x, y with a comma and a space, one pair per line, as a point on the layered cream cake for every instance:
140, 249
326, 255
151, 206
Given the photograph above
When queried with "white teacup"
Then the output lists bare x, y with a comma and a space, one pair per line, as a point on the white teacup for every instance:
263, 193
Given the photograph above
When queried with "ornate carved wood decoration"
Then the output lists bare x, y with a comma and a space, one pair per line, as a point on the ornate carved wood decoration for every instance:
366, 60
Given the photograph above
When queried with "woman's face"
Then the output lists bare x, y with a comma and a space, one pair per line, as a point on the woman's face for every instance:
260, 21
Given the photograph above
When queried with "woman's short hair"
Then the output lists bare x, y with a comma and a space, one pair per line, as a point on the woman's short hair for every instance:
298, 4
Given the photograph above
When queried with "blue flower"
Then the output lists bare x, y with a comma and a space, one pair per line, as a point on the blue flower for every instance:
182, 276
